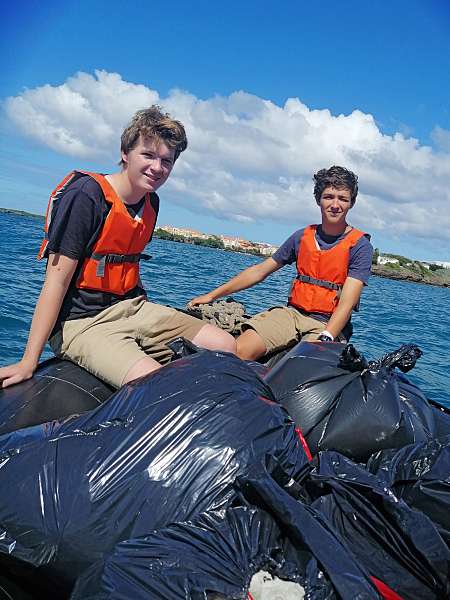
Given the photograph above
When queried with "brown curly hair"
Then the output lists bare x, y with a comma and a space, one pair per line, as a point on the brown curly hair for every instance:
156, 125
337, 177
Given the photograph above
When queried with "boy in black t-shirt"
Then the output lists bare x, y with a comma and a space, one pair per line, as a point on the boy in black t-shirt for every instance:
92, 305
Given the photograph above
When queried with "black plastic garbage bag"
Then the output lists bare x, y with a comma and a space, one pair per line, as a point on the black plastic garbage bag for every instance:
342, 402
312, 537
396, 544
188, 481
10, 590
420, 475
364, 537
217, 553
163, 449
60, 388
341, 533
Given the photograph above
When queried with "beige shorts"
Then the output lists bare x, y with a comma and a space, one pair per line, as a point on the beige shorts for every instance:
110, 343
284, 326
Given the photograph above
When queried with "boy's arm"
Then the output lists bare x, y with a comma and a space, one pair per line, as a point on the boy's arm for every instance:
358, 274
350, 295
60, 270
242, 281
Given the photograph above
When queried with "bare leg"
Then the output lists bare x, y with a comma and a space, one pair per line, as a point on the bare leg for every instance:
142, 367
213, 338
250, 345
209, 337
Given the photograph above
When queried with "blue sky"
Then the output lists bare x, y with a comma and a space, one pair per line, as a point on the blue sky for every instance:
368, 83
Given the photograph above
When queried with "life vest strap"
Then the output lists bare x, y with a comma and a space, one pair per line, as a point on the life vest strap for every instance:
116, 259
320, 282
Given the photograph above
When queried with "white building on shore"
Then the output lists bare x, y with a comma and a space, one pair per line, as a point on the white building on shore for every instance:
440, 263
383, 260
185, 232
266, 249
231, 242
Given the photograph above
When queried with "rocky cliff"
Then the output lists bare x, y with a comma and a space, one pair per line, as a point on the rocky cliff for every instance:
415, 273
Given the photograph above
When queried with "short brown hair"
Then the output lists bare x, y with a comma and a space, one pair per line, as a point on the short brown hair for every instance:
154, 124
337, 177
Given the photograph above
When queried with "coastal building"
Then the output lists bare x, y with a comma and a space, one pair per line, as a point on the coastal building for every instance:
230, 242
266, 249
439, 263
383, 260
185, 232
246, 245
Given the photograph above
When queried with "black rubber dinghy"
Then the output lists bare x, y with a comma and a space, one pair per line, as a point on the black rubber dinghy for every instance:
58, 389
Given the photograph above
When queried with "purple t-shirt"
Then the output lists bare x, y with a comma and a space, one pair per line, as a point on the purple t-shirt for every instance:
359, 266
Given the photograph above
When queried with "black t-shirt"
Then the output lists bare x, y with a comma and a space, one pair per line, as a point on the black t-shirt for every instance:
76, 223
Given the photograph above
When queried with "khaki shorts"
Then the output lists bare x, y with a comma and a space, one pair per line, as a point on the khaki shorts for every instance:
284, 326
113, 341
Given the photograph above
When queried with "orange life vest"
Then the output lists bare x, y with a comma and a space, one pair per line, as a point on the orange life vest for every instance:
113, 265
321, 273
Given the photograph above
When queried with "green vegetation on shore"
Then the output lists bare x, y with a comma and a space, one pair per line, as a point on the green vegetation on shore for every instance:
211, 242
407, 269
414, 271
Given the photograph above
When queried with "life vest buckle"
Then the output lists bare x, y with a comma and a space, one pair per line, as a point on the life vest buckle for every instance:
320, 282
100, 271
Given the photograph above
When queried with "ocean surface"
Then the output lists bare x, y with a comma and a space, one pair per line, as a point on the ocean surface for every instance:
392, 313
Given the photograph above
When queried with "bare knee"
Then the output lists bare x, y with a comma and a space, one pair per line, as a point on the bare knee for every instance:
250, 345
213, 338
143, 367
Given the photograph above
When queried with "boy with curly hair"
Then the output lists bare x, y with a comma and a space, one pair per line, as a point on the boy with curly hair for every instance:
333, 261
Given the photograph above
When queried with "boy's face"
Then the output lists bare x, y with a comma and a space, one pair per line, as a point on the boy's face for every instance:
334, 204
148, 164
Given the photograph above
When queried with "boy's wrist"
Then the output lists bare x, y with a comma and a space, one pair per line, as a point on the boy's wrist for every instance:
29, 362
326, 336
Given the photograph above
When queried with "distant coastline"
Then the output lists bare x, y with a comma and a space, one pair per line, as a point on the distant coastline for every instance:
414, 272
20, 213
211, 241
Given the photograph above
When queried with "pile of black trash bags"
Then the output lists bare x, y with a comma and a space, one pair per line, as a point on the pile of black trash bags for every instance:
326, 470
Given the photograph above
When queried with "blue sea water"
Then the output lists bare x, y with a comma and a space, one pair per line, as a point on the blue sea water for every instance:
392, 313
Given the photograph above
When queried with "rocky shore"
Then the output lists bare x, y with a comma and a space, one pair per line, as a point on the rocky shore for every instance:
415, 273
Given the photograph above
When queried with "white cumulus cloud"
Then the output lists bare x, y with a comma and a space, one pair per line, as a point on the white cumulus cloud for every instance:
250, 159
